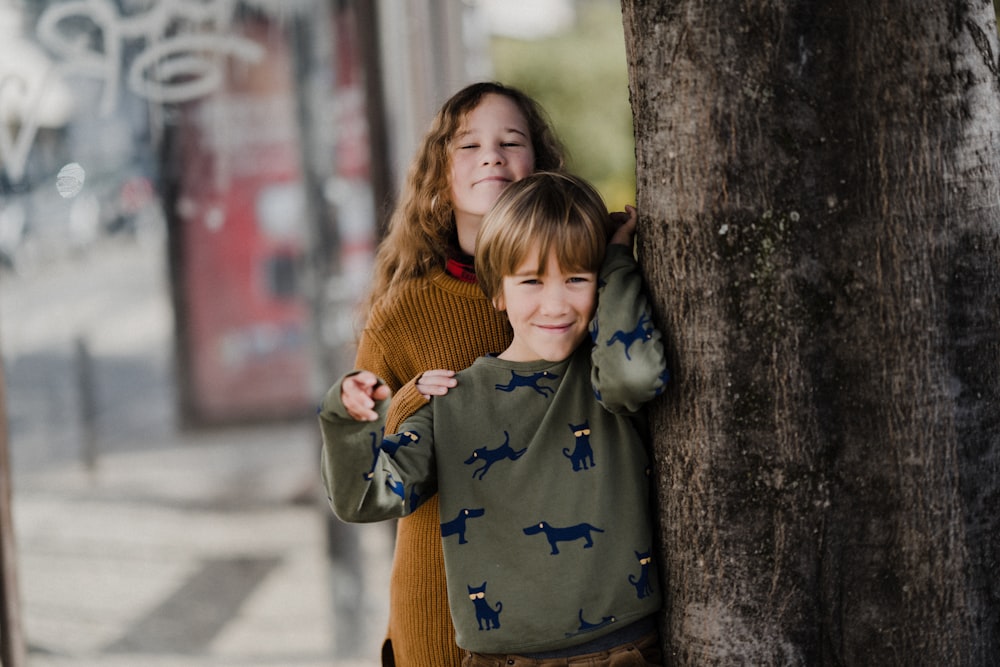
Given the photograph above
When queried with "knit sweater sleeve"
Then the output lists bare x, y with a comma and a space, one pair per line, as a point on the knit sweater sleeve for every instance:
365, 477
371, 356
405, 402
435, 322
629, 366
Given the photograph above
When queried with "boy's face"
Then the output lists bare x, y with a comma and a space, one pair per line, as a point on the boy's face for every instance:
549, 312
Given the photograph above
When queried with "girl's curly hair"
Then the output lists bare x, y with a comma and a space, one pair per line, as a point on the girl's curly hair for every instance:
423, 225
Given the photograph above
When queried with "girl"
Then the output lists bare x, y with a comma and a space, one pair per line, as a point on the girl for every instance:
427, 318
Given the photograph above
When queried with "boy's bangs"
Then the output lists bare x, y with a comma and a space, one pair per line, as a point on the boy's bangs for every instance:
545, 212
577, 247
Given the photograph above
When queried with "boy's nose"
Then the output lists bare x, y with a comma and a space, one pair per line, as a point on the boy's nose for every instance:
553, 302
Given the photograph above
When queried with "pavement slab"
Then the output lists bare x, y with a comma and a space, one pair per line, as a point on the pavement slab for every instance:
163, 558
141, 543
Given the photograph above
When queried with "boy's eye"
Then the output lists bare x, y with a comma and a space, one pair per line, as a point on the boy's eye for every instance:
579, 279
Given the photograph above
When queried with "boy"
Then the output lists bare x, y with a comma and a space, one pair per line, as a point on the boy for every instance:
542, 475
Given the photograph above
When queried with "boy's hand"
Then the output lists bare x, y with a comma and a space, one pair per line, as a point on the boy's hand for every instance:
435, 383
624, 223
359, 393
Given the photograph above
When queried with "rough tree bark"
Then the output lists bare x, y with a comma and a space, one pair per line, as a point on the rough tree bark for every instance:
819, 190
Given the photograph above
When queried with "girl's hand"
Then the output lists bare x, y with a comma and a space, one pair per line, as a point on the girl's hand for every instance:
359, 393
435, 383
625, 226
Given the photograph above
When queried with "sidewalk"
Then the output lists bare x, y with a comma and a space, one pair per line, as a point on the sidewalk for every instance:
179, 548
204, 551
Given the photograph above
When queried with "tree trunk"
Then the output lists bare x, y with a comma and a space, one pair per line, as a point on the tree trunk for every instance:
819, 190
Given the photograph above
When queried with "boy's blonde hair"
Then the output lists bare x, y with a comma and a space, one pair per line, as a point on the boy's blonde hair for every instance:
554, 210
422, 226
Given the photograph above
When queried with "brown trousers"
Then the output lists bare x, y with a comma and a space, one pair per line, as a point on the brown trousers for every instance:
644, 652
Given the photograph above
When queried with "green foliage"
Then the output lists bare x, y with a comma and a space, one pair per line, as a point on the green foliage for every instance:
581, 78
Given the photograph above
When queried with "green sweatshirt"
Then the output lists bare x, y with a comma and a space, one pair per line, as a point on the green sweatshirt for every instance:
542, 476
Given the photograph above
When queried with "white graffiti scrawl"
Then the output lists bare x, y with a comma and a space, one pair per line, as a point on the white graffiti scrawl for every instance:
185, 43
21, 101
176, 52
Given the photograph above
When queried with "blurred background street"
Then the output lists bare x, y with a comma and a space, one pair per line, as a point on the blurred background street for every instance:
190, 198
162, 546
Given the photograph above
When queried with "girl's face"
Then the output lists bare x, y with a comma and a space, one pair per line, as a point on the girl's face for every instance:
491, 149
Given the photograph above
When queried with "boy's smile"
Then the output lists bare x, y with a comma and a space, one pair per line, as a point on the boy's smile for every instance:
549, 312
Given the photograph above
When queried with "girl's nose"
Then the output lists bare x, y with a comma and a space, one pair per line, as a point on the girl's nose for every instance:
492, 155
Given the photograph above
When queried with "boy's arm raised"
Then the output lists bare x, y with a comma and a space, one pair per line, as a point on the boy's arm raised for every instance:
629, 366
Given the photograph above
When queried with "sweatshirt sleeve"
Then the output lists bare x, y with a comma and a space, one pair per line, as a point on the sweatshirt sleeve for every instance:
629, 365
370, 477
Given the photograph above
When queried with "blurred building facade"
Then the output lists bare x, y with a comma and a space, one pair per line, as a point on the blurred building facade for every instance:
265, 138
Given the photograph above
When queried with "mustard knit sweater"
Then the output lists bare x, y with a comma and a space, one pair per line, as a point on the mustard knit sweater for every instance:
432, 322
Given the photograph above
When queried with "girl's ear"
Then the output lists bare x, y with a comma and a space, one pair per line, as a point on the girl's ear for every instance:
499, 303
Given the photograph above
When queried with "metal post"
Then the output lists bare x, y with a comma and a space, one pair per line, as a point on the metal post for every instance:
323, 262
88, 404
12, 647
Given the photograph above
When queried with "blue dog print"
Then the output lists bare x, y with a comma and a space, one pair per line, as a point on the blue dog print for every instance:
642, 585
586, 626
457, 525
416, 496
395, 486
375, 450
484, 612
529, 381
491, 456
642, 331
664, 380
580, 531
392, 444
582, 455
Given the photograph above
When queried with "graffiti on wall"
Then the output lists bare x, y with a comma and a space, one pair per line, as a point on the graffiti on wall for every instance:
167, 51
